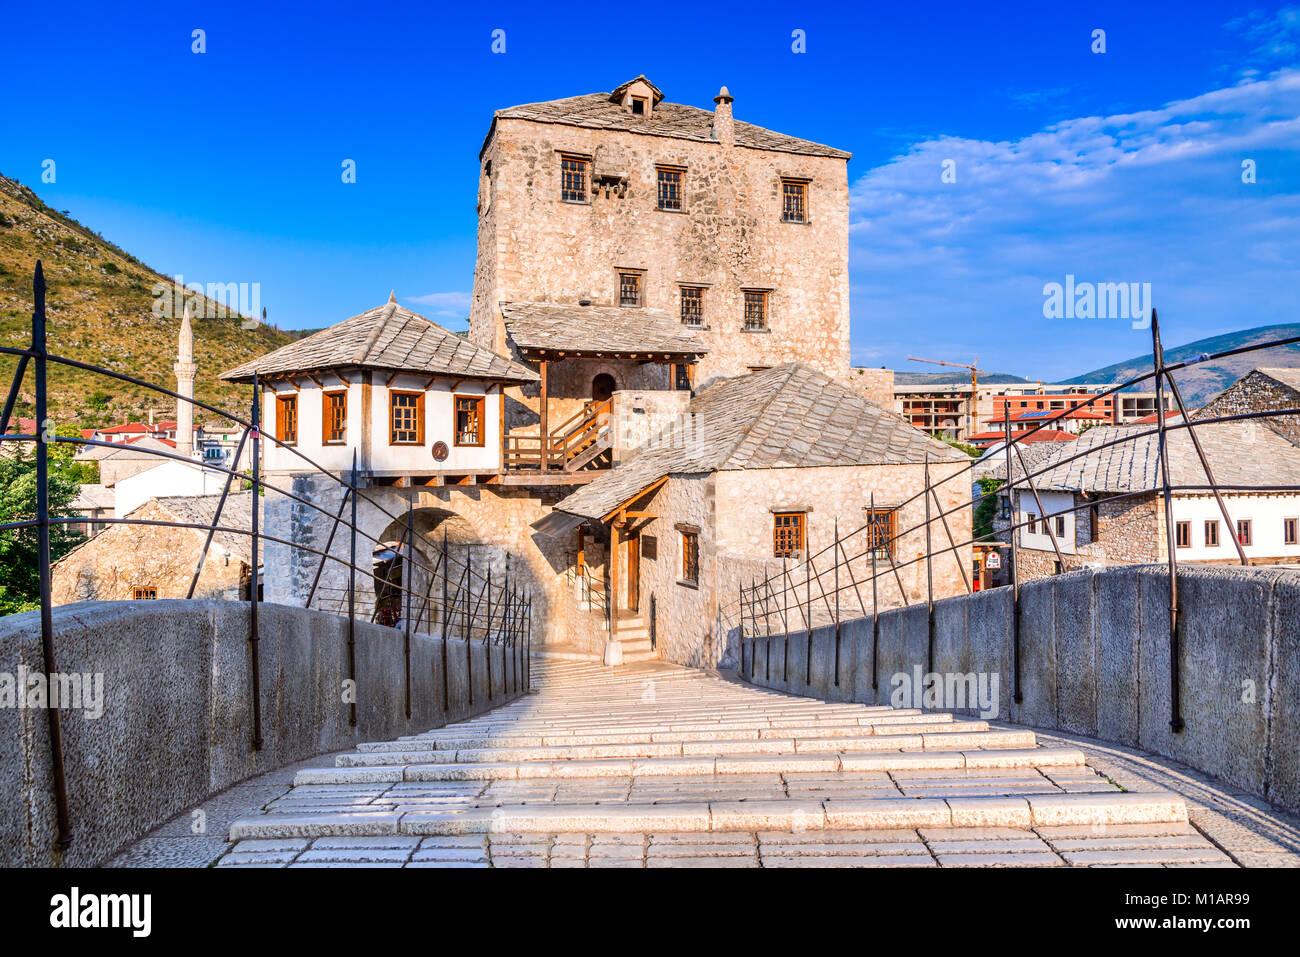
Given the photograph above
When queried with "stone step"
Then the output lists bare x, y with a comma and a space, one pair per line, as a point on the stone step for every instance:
790, 814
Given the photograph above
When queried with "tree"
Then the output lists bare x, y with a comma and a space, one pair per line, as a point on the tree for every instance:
20, 584
986, 509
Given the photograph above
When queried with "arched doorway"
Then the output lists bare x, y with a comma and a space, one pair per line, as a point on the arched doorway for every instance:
602, 387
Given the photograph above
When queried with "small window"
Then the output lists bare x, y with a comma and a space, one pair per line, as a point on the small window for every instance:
670, 188
286, 419
145, 594
639, 105
469, 420
334, 417
787, 534
880, 533
573, 179
1060, 525
405, 418
1243, 531
629, 289
690, 557
1211, 534
1094, 520
1032, 525
755, 310
692, 305
681, 377
1183, 534
794, 201
1289, 531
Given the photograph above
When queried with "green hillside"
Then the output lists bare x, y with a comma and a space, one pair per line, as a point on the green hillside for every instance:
99, 302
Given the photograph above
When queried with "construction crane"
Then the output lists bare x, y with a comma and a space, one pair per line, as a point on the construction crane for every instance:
971, 428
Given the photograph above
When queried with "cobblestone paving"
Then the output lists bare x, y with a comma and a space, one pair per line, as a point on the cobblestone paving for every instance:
655, 766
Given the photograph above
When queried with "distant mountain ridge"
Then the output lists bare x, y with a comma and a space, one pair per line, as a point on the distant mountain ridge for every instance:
953, 378
1203, 381
99, 301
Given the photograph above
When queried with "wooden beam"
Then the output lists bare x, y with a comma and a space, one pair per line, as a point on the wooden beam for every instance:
546, 419
613, 579
645, 491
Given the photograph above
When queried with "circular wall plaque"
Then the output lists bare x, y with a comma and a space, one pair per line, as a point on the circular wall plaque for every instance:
440, 451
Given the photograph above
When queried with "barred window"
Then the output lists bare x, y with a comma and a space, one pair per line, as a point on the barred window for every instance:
787, 534
670, 188
755, 310
144, 593
692, 305
573, 179
286, 419
690, 557
334, 418
880, 533
629, 289
469, 420
794, 201
405, 418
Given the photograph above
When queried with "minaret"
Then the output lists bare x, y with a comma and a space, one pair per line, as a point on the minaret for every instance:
185, 370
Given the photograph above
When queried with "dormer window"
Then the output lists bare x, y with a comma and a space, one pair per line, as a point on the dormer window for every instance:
640, 106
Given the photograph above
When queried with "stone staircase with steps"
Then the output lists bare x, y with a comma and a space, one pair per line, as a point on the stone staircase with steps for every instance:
634, 636
655, 749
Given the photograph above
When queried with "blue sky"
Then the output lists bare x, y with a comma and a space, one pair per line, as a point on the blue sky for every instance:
1115, 166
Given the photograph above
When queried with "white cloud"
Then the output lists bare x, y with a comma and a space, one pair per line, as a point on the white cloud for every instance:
454, 304
1153, 196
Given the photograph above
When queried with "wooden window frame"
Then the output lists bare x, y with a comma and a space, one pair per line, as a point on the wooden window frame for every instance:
1060, 524
880, 538
1211, 533
690, 557
1182, 534
1031, 522
765, 297
794, 187
144, 594
1244, 525
568, 193
480, 402
327, 407
697, 296
789, 540
1290, 531
283, 434
419, 416
639, 276
676, 190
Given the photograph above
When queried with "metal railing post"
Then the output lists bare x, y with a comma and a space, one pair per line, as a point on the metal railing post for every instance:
836, 532
1015, 563
874, 538
408, 579
254, 583
469, 650
53, 711
352, 593
1175, 703
929, 576
487, 630
445, 616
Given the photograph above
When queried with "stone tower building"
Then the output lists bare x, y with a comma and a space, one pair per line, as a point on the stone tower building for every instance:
618, 212
185, 369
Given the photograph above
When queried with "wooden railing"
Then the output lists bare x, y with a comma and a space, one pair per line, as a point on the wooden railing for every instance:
571, 446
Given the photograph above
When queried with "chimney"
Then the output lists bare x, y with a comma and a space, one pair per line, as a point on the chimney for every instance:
724, 128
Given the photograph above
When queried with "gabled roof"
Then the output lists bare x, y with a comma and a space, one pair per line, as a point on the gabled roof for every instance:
599, 111
391, 338
200, 510
791, 416
596, 330
1288, 377
1239, 454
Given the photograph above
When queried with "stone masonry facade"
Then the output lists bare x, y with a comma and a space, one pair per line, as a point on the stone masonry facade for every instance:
1129, 531
728, 237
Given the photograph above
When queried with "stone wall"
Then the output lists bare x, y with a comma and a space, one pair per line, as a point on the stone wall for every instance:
177, 720
123, 558
1130, 531
532, 246
1095, 661
875, 385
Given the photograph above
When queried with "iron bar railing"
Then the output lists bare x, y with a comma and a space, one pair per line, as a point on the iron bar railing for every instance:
506, 623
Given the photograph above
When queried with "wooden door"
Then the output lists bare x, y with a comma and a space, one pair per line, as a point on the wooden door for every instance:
633, 571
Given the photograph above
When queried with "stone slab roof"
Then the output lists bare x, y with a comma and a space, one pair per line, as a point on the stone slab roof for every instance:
1240, 453
995, 466
791, 416
391, 338
590, 330
598, 111
200, 509
1288, 377
93, 495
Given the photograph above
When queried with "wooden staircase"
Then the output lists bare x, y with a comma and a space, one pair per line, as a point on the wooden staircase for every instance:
581, 443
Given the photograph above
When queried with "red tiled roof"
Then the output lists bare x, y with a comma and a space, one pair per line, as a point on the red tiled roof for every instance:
1042, 435
127, 427
1151, 419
